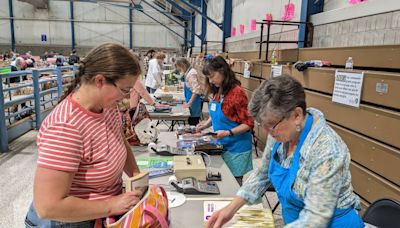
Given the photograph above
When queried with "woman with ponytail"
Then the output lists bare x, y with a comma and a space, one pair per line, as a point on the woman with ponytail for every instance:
82, 152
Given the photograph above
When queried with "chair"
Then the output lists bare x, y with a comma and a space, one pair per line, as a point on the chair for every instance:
383, 213
271, 189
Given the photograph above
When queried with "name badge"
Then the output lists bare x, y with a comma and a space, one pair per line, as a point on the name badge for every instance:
213, 107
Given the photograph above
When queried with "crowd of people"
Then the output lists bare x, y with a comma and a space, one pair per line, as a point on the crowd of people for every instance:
79, 170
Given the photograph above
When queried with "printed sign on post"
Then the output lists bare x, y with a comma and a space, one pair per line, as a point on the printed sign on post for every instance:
43, 37
348, 87
246, 71
276, 70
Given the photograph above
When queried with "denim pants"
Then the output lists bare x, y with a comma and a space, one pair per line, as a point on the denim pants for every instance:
33, 220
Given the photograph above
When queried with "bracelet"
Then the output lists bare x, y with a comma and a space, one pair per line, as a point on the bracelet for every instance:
230, 132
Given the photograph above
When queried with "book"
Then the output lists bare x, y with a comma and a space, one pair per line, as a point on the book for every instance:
247, 216
139, 182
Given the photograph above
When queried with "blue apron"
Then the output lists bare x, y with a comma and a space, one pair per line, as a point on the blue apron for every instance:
283, 178
238, 154
195, 109
236, 143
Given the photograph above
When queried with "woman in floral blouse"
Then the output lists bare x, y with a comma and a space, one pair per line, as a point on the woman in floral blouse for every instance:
192, 90
229, 116
304, 159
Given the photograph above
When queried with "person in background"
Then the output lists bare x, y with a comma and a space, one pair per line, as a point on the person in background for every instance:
44, 56
60, 59
154, 73
149, 56
305, 160
73, 58
139, 92
82, 151
229, 116
192, 90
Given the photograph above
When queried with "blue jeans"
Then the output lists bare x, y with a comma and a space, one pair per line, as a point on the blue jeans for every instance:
33, 220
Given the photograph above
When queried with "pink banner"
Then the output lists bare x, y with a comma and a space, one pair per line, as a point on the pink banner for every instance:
253, 25
233, 31
356, 1
241, 28
288, 12
268, 17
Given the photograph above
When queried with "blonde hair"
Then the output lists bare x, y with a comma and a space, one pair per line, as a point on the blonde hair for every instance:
160, 55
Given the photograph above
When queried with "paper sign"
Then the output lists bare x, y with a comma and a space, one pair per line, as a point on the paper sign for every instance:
253, 24
43, 37
347, 89
246, 71
276, 70
241, 28
233, 31
288, 12
268, 17
356, 1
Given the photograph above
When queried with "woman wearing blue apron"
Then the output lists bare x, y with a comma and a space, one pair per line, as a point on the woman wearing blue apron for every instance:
229, 117
192, 90
304, 159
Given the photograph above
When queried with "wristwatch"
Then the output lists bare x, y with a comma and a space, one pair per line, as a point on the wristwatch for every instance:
230, 132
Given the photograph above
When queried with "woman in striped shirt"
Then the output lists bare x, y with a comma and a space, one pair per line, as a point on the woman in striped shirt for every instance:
82, 152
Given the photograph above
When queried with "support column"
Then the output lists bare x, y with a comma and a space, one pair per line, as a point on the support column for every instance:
130, 26
71, 10
11, 12
193, 21
308, 8
203, 24
227, 23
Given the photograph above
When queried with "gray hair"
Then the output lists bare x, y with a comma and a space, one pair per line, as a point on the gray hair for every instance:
278, 96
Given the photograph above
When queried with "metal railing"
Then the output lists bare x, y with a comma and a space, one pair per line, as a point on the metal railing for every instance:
38, 92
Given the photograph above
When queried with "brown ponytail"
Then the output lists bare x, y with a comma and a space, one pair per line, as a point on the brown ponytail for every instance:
111, 60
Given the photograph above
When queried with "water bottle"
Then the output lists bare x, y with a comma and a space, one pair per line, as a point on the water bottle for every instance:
349, 63
274, 58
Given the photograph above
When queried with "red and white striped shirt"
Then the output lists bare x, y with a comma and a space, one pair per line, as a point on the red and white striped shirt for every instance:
91, 145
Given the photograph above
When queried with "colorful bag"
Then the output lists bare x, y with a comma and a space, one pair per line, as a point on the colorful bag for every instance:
132, 117
151, 211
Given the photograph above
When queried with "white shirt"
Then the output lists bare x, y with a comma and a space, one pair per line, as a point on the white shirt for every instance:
153, 77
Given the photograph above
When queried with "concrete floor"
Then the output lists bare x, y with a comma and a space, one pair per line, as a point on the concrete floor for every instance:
17, 169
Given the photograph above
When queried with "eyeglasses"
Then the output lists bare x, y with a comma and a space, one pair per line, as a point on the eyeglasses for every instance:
270, 129
123, 92
273, 128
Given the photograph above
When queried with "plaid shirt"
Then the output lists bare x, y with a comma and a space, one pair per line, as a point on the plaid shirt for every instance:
146, 64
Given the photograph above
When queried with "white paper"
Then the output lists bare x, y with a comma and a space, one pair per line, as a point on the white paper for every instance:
276, 70
348, 87
246, 70
213, 107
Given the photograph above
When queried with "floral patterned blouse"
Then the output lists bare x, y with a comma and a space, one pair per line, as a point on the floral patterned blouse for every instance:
323, 180
234, 106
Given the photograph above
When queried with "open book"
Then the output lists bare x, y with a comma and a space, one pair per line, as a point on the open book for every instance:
248, 216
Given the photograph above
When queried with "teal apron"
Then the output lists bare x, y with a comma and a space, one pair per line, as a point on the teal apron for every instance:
283, 178
239, 146
195, 109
